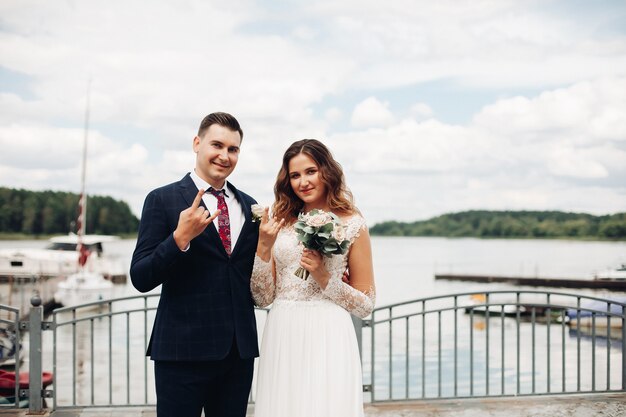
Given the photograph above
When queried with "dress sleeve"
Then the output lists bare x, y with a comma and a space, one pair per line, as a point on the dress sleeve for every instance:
361, 304
355, 301
262, 284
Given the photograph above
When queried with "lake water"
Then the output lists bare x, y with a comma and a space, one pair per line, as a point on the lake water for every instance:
405, 266
404, 270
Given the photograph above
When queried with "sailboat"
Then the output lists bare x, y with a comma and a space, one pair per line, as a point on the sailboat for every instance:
84, 286
58, 258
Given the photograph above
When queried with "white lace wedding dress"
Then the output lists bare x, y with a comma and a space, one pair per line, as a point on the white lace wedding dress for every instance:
309, 364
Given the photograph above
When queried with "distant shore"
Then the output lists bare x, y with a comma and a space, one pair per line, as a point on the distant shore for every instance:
520, 224
25, 236
570, 238
22, 236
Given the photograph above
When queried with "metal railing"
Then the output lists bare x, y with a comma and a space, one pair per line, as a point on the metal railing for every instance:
107, 338
496, 343
99, 353
11, 395
477, 344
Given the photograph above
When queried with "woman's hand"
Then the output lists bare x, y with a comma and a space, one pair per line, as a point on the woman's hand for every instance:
268, 231
313, 262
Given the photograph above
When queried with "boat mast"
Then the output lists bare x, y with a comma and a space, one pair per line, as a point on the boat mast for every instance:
82, 201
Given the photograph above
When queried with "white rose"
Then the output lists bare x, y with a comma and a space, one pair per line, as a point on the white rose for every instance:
317, 220
339, 233
257, 211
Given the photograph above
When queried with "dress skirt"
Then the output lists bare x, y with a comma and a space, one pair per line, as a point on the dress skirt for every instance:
309, 364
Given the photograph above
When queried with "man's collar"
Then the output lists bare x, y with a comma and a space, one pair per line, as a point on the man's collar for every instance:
202, 184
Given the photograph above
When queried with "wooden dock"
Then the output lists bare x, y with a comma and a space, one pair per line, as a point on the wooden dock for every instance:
615, 285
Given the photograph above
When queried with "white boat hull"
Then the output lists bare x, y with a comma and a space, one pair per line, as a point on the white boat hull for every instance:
60, 259
83, 288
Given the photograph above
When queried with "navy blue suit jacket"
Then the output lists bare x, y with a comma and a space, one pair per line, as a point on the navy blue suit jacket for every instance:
205, 301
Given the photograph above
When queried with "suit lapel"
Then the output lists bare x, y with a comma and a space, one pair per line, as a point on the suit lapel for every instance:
247, 213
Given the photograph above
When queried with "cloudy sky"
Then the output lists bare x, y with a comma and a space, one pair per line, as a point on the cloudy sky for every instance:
430, 106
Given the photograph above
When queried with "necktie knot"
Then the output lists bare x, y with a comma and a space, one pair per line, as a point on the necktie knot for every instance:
217, 193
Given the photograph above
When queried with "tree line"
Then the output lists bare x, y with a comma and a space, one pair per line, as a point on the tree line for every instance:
56, 212
511, 224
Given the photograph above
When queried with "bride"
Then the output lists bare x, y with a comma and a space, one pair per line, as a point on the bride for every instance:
309, 364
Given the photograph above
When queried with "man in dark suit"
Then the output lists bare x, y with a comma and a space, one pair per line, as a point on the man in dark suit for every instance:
197, 240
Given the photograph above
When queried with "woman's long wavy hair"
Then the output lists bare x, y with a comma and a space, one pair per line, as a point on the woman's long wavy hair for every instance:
339, 199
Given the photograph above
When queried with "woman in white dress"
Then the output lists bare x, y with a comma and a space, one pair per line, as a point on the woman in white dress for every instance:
309, 364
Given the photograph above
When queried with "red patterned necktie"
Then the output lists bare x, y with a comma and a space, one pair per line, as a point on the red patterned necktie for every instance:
223, 220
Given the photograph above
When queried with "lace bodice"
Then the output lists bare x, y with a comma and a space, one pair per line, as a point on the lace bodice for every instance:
286, 255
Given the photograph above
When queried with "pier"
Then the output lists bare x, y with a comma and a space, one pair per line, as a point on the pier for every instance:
445, 361
616, 285
545, 406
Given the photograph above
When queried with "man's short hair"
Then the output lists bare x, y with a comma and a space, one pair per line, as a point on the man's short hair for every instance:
222, 119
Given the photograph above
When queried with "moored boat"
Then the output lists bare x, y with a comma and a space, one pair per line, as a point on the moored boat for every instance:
598, 315
83, 287
9, 348
8, 381
618, 273
59, 258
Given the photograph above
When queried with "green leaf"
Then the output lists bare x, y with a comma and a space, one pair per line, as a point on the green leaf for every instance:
327, 228
329, 248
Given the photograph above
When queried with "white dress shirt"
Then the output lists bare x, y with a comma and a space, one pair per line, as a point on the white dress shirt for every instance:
235, 212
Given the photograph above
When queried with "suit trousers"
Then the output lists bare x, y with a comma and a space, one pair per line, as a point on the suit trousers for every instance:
220, 387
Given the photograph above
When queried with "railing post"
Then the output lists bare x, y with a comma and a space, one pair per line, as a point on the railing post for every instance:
623, 348
35, 403
373, 358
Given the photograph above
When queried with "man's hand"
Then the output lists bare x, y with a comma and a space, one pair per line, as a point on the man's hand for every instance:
192, 221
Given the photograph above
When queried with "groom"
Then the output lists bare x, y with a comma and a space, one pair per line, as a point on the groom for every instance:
197, 241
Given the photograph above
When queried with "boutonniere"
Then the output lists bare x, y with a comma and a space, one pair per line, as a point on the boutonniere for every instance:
257, 212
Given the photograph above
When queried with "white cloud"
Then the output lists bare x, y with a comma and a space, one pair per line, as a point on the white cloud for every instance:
292, 73
486, 44
40, 147
585, 110
421, 110
305, 33
333, 114
520, 153
574, 163
169, 66
371, 113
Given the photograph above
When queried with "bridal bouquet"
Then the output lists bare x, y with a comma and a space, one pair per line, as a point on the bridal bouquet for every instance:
323, 232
